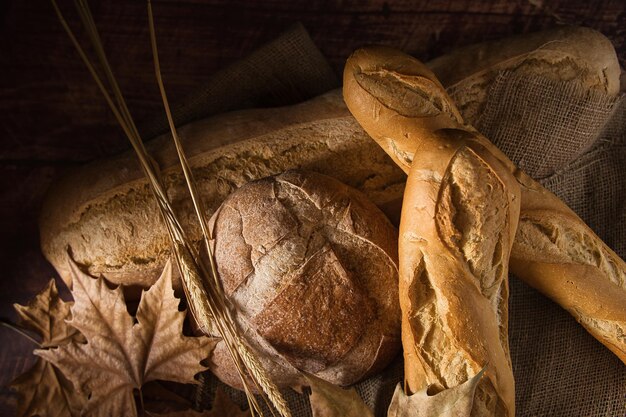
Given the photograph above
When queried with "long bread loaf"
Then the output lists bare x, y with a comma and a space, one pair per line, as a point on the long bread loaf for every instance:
105, 214
566, 53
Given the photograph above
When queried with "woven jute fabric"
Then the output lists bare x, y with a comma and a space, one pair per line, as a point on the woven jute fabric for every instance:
570, 139
287, 70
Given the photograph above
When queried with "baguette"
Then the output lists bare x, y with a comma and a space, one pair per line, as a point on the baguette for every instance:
554, 250
459, 217
566, 53
105, 213
556, 253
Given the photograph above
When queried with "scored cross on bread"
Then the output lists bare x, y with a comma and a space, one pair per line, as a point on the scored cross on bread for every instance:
400, 103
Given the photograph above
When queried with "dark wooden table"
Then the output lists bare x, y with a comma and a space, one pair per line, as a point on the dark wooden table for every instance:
52, 117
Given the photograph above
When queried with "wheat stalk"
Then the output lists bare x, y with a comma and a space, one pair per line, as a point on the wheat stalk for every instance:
207, 303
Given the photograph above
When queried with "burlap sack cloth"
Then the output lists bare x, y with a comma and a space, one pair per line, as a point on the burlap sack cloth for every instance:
571, 140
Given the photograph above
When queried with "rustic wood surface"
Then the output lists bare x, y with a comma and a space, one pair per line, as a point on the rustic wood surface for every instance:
52, 117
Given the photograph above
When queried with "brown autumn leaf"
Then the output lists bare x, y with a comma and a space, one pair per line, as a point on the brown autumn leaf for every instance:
329, 400
46, 315
223, 406
453, 402
43, 390
122, 353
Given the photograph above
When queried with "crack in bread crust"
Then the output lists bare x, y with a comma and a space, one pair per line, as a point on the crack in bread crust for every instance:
545, 240
471, 217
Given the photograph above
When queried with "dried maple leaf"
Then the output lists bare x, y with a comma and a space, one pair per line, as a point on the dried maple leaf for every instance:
121, 355
42, 390
328, 400
46, 315
453, 402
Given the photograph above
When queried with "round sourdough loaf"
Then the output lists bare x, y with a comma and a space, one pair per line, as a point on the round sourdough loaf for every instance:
310, 266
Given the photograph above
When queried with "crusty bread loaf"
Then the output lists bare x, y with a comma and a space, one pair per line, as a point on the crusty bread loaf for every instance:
559, 255
565, 53
105, 213
459, 217
554, 250
310, 265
